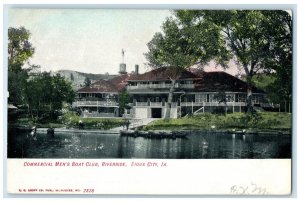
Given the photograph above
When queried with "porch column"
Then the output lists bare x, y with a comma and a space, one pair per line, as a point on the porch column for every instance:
240, 106
233, 102
192, 107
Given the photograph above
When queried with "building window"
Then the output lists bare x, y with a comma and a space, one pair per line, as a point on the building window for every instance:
186, 82
241, 97
230, 98
200, 97
257, 99
213, 98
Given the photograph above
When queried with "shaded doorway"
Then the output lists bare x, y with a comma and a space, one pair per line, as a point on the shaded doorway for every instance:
155, 112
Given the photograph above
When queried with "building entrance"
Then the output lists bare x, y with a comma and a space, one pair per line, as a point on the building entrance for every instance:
155, 112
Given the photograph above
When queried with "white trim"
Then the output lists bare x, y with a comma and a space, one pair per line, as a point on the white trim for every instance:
98, 92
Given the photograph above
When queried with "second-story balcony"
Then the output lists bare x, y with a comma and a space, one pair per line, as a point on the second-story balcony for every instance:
95, 104
188, 104
157, 86
153, 104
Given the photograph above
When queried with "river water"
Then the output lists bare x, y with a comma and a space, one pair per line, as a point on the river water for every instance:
195, 146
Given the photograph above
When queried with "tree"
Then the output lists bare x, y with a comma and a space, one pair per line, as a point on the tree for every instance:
123, 101
37, 90
72, 77
87, 82
280, 27
177, 48
40, 92
46, 93
258, 41
16, 83
19, 51
62, 91
19, 48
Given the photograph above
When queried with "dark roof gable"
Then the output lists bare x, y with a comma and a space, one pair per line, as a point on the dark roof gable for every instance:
221, 81
99, 86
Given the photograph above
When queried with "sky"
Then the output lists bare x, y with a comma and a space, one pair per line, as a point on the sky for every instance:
90, 40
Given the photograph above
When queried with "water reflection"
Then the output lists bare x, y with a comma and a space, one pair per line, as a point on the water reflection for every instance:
196, 146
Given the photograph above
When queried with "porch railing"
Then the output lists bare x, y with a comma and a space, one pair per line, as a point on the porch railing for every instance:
212, 104
141, 103
96, 114
145, 86
207, 104
94, 103
154, 104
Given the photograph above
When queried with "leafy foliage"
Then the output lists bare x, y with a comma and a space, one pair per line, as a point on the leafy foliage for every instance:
87, 82
19, 48
123, 101
47, 93
72, 77
19, 51
16, 85
41, 93
182, 45
258, 41
71, 120
179, 46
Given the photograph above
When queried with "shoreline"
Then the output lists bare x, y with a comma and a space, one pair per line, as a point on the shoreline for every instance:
74, 130
224, 131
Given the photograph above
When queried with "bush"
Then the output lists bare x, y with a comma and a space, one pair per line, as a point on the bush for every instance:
99, 123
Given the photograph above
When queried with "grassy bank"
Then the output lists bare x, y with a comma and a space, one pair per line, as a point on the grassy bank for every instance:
29, 122
73, 122
257, 121
100, 123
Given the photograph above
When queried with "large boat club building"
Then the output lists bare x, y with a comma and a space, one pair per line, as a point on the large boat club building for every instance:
195, 92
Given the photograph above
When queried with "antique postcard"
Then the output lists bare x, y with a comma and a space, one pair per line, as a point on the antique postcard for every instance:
149, 101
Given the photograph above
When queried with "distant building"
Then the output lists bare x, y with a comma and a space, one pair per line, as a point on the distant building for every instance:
195, 92
98, 100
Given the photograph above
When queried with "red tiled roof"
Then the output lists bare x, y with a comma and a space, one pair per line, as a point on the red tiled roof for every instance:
120, 82
99, 86
162, 74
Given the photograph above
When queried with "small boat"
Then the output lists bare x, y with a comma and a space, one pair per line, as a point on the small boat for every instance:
130, 133
180, 134
159, 134
143, 133
237, 131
